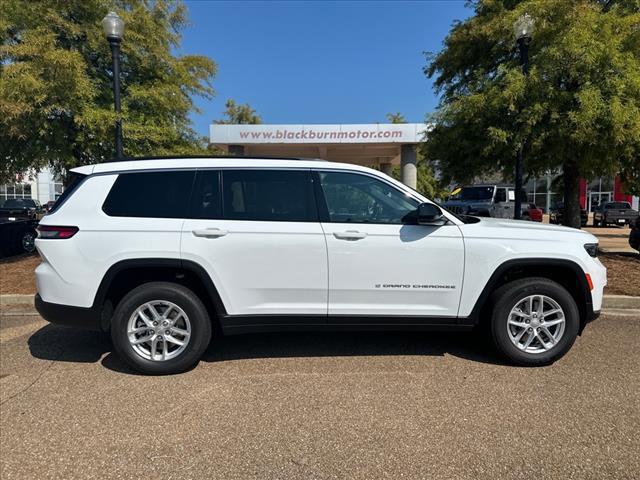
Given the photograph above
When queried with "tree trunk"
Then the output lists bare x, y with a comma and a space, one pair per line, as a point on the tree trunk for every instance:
571, 176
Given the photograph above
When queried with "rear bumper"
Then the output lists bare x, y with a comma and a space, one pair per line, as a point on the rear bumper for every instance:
78, 317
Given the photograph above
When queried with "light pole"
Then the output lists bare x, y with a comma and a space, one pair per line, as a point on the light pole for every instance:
523, 28
113, 27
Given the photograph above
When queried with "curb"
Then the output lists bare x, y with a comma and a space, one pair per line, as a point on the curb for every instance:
622, 251
17, 299
609, 301
620, 302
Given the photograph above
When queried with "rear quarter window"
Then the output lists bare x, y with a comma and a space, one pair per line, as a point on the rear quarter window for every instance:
150, 194
75, 179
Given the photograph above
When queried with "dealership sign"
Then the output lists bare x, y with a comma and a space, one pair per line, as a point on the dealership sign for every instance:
314, 134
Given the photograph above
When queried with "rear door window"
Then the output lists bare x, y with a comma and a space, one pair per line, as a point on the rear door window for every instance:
268, 195
150, 194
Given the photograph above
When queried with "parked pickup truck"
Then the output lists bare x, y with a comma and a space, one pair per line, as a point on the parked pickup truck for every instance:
21, 208
614, 213
487, 200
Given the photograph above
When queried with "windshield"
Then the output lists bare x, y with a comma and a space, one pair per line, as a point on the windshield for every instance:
19, 203
618, 205
474, 193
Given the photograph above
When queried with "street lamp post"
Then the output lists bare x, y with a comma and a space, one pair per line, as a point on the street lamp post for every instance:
113, 27
523, 28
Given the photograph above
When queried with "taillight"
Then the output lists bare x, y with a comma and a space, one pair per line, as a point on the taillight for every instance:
56, 233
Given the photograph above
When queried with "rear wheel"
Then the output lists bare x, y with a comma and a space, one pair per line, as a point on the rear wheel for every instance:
28, 242
535, 321
160, 328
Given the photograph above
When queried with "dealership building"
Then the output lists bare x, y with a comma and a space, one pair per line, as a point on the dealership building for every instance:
379, 145
382, 146
42, 186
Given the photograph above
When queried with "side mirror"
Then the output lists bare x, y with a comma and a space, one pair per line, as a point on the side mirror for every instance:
430, 214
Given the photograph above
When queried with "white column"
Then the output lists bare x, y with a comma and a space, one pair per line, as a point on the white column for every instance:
408, 168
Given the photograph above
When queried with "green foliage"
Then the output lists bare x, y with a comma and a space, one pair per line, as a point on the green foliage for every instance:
56, 97
578, 111
396, 118
239, 114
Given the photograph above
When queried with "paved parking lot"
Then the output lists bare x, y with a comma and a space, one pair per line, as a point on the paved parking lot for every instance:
316, 406
612, 239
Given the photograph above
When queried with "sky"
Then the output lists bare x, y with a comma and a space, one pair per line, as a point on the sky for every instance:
306, 62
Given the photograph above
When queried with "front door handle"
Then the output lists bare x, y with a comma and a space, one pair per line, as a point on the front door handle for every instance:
350, 235
209, 233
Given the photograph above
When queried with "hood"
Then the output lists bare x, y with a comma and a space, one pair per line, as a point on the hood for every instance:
504, 228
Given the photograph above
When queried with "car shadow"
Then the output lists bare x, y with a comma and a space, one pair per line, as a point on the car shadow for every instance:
61, 344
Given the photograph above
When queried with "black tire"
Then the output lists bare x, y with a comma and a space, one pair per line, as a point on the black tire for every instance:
27, 242
183, 298
506, 297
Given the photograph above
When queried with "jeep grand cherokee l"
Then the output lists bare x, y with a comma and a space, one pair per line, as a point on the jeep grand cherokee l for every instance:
161, 251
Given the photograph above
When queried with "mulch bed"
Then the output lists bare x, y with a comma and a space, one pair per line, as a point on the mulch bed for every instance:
623, 273
623, 270
16, 274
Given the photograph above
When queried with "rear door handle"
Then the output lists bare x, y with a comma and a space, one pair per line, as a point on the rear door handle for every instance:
209, 233
350, 235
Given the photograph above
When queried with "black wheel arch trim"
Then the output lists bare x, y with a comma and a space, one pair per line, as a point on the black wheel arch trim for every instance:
178, 264
581, 278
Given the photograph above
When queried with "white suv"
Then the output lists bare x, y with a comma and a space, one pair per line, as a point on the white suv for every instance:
162, 252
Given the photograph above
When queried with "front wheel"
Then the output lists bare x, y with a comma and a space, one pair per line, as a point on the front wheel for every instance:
535, 321
160, 328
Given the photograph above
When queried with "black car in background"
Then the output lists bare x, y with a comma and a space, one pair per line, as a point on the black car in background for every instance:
21, 208
556, 214
634, 236
17, 236
18, 222
614, 213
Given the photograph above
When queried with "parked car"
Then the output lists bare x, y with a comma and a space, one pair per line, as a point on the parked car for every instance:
614, 213
556, 215
634, 236
21, 208
49, 205
532, 213
17, 236
161, 251
487, 200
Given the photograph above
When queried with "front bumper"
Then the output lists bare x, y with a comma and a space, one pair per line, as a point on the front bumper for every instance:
70, 316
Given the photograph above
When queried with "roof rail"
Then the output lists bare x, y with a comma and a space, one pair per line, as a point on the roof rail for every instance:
177, 157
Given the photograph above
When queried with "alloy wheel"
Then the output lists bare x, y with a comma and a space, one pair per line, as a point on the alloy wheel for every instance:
159, 330
536, 324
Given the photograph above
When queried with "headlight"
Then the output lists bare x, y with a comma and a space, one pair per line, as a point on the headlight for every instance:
592, 249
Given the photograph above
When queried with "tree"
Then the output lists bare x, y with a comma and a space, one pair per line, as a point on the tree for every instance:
395, 118
239, 114
56, 97
578, 112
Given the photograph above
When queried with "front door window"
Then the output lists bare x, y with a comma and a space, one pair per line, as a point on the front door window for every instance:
355, 198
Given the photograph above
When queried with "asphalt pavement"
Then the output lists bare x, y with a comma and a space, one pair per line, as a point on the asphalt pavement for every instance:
320, 406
